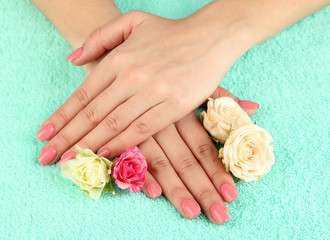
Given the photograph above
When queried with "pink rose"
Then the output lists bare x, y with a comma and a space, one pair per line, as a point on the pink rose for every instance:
129, 170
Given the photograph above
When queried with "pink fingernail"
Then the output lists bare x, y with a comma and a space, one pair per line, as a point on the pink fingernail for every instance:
190, 208
228, 193
75, 54
47, 155
66, 157
105, 152
46, 132
153, 190
248, 104
219, 214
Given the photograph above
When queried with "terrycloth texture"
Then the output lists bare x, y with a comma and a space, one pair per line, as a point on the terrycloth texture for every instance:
288, 76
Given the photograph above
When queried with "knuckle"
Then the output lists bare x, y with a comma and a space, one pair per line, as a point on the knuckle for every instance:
160, 88
84, 144
178, 100
81, 96
64, 139
142, 128
119, 57
91, 114
206, 151
158, 164
120, 144
112, 123
137, 75
217, 174
177, 191
134, 13
186, 164
205, 193
219, 92
96, 34
63, 116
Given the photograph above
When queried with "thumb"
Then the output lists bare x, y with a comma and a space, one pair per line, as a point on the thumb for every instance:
247, 106
107, 37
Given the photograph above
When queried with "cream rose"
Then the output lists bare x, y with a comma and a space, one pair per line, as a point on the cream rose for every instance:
222, 115
248, 153
89, 171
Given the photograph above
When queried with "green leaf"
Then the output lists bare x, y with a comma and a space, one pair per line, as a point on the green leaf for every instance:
214, 139
86, 192
108, 188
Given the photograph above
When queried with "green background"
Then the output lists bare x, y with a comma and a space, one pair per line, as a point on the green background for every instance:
288, 76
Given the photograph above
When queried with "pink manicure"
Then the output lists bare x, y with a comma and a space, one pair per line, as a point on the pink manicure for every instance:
66, 157
228, 193
105, 152
47, 155
219, 214
75, 54
248, 104
153, 190
190, 208
46, 132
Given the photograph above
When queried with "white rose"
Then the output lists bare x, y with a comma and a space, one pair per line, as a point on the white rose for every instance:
248, 153
89, 171
223, 115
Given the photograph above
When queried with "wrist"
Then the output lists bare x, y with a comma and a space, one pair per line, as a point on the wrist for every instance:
227, 25
249, 22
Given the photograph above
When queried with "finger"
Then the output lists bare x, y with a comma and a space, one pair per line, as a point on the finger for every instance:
221, 92
110, 126
198, 141
86, 120
151, 187
247, 106
173, 188
93, 85
143, 127
71, 154
192, 174
107, 37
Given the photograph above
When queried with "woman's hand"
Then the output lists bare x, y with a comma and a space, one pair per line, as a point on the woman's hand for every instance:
158, 70
183, 162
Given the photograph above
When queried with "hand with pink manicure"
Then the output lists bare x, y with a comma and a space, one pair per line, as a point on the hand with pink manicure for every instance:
144, 84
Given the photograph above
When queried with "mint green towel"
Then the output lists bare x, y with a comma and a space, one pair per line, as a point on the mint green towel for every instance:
288, 76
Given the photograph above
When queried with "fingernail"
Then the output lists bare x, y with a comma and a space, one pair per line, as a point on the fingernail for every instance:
190, 208
46, 132
248, 104
47, 155
105, 152
66, 157
228, 193
153, 190
219, 214
75, 54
